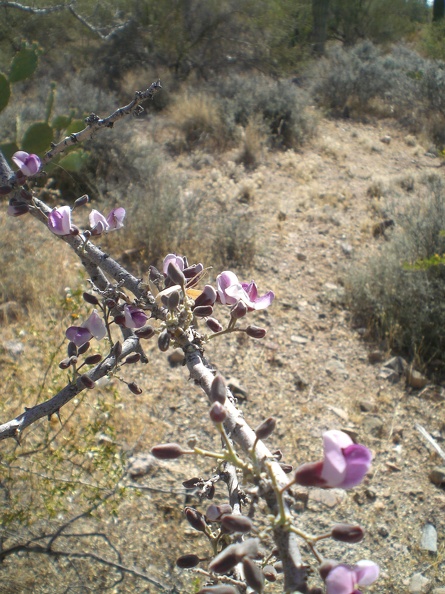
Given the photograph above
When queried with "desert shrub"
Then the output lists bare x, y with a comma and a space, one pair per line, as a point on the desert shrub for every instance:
392, 293
281, 105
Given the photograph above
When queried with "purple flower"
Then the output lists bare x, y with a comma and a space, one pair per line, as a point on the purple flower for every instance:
99, 224
178, 260
344, 579
28, 164
230, 291
94, 326
134, 317
59, 220
344, 464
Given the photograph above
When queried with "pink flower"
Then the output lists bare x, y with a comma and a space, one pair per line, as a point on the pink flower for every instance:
93, 326
59, 220
134, 317
230, 291
178, 260
28, 164
344, 579
99, 224
344, 464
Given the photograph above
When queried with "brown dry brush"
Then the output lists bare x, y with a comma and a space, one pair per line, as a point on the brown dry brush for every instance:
250, 471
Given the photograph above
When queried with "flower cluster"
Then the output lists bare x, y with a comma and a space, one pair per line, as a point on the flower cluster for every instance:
27, 164
59, 221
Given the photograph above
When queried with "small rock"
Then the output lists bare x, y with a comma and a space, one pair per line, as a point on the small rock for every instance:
347, 249
366, 405
373, 425
299, 339
302, 257
429, 538
383, 531
282, 216
415, 379
141, 465
437, 476
418, 584
410, 140
14, 348
336, 368
397, 364
438, 591
375, 357
328, 497
386, 139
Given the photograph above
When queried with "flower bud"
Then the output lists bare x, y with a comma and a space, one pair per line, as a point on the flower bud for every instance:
226, 559
309, 474
223, 589
81, 201
164, 340
119, 320
210, 494
91, 298
203, 311
347, 533
270, 573
266, 428
326, 567
193, 270
207, 297
218, 413
154, 274
175, 274
253, 575
83, 349
4, 190
72, 349
116, 351
145, 332
65, 363
173, 300
195, 519
218, 389
75, 230
133, 358
214, 325
93, 359
87, 381
167, 451
110, 303
255, 332
187, 561
215, 512
133, 387
238, 311
17, 209
234, 523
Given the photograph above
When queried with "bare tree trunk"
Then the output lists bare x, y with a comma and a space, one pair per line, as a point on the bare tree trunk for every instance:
320, 24
438, 10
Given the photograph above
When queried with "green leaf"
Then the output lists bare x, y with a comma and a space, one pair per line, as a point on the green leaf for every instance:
61, 122
37, 138
8, 149
23, 65
5, 91
74, 161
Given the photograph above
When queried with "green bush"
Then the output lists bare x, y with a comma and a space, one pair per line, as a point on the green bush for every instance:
393, 292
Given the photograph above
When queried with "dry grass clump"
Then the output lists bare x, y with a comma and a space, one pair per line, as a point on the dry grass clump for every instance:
395, 292
198, 120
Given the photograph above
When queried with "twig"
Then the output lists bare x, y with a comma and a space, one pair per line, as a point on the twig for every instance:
430, 440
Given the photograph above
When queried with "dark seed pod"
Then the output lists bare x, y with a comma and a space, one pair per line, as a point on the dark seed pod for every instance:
133, 358
347, 533
92, 299
187, 561
25, 194
4, 190
65, 363
116, 351
266, 428
223, 589
17, 209
203, 311
93, 359
83, 349
195, 519
218, 389
146, 332
241, 524
110, 303
226, 560
253, 575
214, 325
87, 381
119, 320
215, 512
270, 573
192, 483
175, 274
133, 387
164, 341
255, 332
72, 349
167, 451
218, 413
81, 201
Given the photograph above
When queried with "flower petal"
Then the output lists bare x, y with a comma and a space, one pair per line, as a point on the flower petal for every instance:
340, 580
95, 325
98, 222
78, 335
59, 220
178, 260
366, 572
358, 462
334, 464
115, 219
